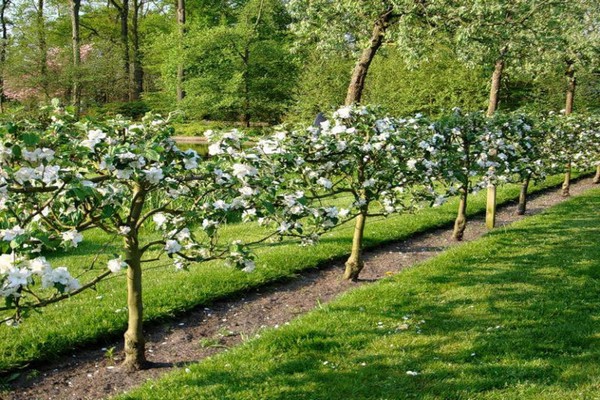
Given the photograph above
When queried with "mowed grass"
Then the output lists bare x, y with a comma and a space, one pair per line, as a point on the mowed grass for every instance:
514, 315
100, 316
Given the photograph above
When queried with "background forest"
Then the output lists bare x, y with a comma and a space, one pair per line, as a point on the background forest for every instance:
269, 61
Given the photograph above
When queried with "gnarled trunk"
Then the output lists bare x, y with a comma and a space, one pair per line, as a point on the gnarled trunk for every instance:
597, 176
355, 262
461, 220
522, 207
359, 75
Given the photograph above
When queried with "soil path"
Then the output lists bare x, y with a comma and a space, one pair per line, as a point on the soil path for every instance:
91, 374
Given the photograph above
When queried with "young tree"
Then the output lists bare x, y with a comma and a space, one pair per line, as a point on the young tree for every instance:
66, 178
370, 163
494, 33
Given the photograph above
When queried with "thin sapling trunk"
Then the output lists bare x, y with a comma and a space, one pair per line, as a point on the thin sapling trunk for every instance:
135, 357
461, 220
522, 207
355, 262
566, 186
490, 216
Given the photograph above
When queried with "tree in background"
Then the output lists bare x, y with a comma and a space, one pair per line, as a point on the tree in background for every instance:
242, 70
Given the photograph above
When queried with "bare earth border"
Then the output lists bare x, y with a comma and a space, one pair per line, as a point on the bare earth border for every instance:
91, 374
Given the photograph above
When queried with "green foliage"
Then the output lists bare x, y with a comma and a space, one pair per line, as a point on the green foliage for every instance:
130, 109
240, 71
510, 316
437, 85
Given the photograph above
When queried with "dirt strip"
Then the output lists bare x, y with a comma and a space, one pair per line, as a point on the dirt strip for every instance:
95, 374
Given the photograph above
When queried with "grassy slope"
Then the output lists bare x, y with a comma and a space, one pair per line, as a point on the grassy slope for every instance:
515, 315
98, 316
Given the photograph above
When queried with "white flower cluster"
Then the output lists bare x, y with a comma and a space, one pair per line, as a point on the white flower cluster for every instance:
17, 273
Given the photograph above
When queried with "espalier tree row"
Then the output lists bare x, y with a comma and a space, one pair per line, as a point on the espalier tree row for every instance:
62, 177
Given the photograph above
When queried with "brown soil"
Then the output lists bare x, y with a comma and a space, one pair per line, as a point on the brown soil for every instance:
91, 374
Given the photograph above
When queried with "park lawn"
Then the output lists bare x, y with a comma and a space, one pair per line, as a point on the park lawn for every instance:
514, 315
100, 316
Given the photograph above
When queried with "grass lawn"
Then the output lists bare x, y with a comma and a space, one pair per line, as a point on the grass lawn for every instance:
514, 315
99, 316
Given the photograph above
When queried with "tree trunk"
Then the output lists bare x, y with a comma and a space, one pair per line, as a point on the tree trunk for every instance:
597, 176
522, 207
246, 113
359, 75
566, 186
180, 66
138, 72
123, 10
355, 262
490, 216
571, 84
3, 48
570, 97
76, 95
135, 357
461, 220
496, 83
43, 49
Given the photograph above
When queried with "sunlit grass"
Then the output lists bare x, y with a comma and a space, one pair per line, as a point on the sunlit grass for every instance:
514, 315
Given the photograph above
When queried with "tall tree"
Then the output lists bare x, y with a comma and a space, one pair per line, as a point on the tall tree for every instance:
241, 70
123, 12
42, 48
181, 31
3, 49
75, 6
361, 27
137, 85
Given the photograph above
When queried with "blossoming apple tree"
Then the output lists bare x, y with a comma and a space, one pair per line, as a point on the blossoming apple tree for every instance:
62, 179
571, 142
365, 163
471, 153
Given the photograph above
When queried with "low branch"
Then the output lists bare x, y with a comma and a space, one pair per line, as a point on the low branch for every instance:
64, 296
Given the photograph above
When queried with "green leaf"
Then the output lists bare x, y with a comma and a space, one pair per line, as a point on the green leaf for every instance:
30, 138
16, 151
108, 211
11, 128
152, 155
269, 207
